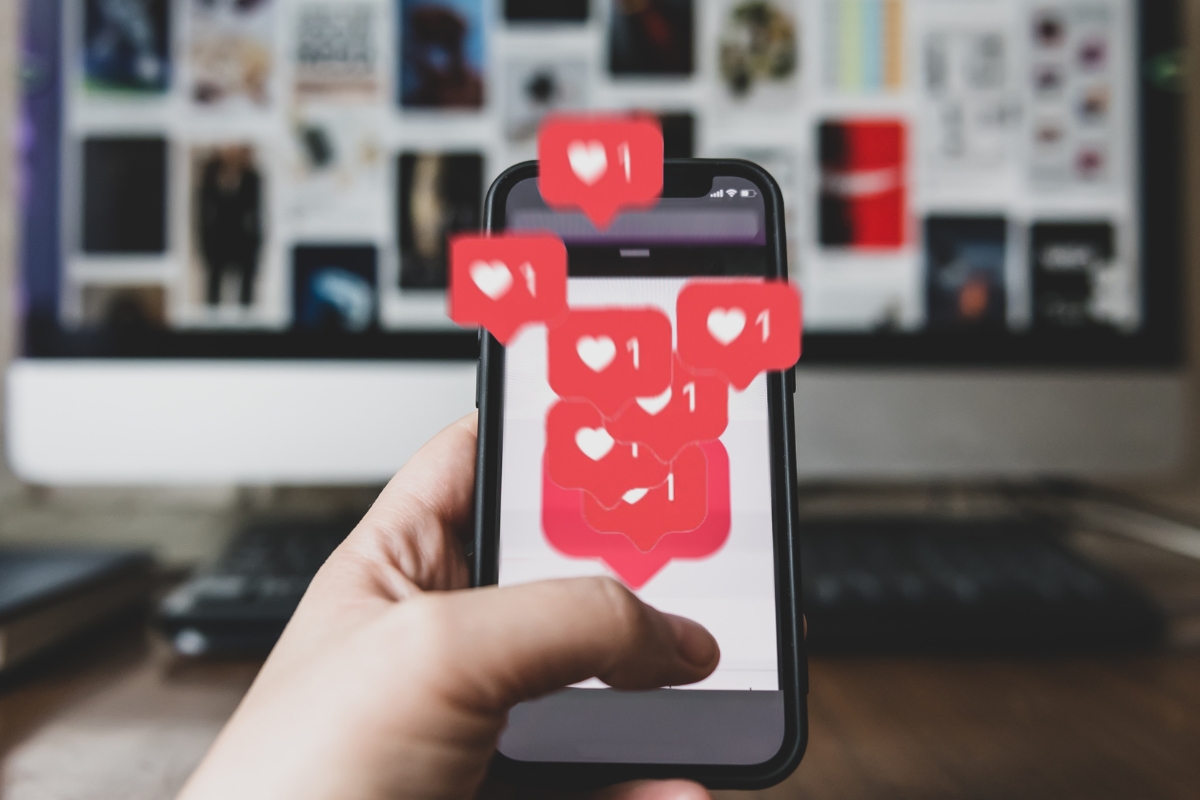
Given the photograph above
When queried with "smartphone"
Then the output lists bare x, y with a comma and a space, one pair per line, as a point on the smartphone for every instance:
737, 574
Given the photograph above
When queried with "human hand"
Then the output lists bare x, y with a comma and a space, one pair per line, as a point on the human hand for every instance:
393, 680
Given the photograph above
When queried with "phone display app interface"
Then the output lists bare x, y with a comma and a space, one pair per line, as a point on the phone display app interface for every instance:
584, 445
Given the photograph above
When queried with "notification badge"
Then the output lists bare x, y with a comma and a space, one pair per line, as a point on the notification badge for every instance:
739, 328
582, 454
505, 282
600, 164
609, 356
694, 408
570, 534
646, 515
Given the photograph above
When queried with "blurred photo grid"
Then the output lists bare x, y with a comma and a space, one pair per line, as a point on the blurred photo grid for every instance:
297, 165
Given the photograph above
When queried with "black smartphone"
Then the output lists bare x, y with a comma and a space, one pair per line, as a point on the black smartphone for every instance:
737, 574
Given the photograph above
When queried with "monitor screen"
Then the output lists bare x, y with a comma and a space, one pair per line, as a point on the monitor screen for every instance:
965, 181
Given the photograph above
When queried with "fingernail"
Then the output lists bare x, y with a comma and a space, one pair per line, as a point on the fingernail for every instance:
695, 644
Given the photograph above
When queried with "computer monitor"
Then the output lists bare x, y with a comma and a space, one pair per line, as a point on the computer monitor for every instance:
236, 211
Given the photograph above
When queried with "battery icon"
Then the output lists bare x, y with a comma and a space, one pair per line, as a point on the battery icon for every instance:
749, 193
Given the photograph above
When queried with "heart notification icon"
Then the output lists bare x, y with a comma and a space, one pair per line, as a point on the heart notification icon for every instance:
645, 515
505, 282
569, 533
610, 356
581, 454
694, 409
739, 328
600, 164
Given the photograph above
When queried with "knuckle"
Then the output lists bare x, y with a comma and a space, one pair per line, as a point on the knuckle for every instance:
429, 628
624, 608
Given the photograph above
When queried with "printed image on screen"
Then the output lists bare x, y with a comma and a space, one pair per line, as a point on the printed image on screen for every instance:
124, 196
334, 288
653, 37
439, 195
228, 198
442, 53
231, 51
127, 45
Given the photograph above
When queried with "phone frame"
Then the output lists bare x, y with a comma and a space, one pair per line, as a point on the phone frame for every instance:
681, 179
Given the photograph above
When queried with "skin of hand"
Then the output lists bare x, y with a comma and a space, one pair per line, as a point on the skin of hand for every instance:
393, 680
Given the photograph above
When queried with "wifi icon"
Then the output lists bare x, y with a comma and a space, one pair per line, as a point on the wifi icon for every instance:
731, 192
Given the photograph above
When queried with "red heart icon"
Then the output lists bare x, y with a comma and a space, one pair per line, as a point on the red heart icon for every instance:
569, 533
600, 164
739, 328
582, 454
609, 356
505, 282
695, 408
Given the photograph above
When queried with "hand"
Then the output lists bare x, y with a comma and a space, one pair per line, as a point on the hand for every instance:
393, 680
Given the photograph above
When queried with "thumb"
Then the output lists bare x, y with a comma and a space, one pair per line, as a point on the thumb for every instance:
505, 645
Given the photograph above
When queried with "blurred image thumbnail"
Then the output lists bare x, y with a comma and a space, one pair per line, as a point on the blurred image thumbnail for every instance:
652, 37
336, 54
333, 288
228, 200
546, 10
759, 43
231, 51
1070, 262
439, 194
127, 45
533, 89
441, 53
124, 196
863, 198
679, 134
964, 272
124, 308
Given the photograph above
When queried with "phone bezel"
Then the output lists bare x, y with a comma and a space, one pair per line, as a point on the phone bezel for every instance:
681, 179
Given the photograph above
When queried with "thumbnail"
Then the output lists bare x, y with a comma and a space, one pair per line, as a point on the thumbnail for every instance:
124, 196
1070, 261
335, 50
864, 46
652, 38
333, 288
441, 53
964, 272
124, 308
546, 10
760, 43
533, 89
338, 181
863, 201
228, 215
127, 45
439, 194
231, 51
679, 134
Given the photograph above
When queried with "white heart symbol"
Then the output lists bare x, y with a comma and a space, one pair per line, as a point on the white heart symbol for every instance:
593, 442
589, 160
726, 325
493, 279
597, 352
633, 495
653, 405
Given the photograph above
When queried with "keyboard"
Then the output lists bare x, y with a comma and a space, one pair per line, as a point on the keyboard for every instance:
871, 585
240, 606
928, 585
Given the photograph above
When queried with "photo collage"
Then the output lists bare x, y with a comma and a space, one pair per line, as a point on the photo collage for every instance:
297, 165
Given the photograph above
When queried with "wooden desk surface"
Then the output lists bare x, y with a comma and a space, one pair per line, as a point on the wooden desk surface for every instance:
124, 719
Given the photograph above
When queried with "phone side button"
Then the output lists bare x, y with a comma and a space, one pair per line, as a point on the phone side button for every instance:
478, 381
790, 379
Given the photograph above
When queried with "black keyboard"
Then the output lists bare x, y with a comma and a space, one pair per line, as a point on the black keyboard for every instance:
241, 605
896, 585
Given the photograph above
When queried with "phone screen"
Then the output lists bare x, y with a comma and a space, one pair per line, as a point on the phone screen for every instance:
720, 572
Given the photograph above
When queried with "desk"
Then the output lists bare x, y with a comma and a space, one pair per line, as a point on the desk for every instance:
120, 717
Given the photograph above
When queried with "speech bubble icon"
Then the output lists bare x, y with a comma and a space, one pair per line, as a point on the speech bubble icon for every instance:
695, 408
600, 164
646, 514
567, 531
739, 328
609, 356
505, 282
581, 454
